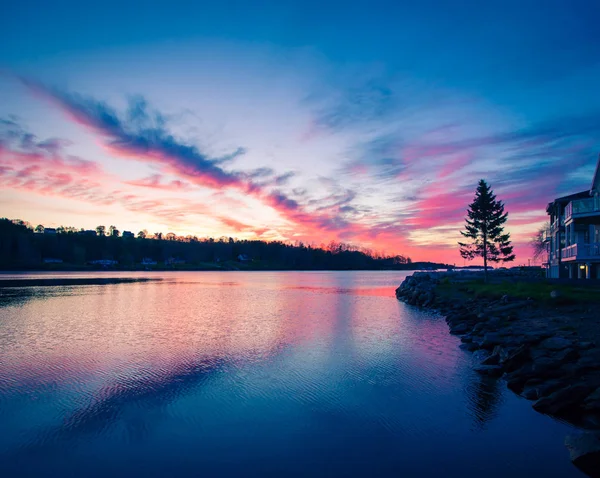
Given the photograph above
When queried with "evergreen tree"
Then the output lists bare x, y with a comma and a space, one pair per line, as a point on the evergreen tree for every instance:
485, 228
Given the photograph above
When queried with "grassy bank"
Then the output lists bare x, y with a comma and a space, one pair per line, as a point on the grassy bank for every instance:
540, 291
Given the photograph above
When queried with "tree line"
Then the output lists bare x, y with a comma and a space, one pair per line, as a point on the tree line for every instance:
23, 246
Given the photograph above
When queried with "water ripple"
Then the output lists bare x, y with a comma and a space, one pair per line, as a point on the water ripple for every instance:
264, 374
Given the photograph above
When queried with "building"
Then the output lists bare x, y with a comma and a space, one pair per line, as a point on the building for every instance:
52, 260
49, 230
128, 234
574, 235
171, 261
104, 262
244, 258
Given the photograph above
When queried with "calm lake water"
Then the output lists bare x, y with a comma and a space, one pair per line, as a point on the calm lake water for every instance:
252, 374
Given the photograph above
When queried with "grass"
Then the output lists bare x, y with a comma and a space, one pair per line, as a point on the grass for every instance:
538, 291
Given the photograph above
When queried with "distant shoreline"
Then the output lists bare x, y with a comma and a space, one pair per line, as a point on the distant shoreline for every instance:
67, 281
205, 267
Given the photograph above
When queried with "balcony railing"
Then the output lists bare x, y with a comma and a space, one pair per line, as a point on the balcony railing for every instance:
582, 207
569, 252
556, 225
582, 251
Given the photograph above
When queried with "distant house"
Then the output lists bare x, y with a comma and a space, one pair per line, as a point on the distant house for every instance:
172, 261
128, 234
146, 261
244, 258
89, 232
104, 262
574, 235
52, 260
49, 230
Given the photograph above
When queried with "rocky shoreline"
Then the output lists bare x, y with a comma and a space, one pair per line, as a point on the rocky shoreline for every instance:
540, 353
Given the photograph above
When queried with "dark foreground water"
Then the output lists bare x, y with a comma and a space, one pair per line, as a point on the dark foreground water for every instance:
252, 374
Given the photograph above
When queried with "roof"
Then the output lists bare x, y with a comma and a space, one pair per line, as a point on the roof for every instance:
567, 199
596, 180
580, 195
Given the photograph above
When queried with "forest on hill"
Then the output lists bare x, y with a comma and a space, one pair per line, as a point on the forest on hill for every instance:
23, 247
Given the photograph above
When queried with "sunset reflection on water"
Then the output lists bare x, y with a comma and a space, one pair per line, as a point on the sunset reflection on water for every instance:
299, 373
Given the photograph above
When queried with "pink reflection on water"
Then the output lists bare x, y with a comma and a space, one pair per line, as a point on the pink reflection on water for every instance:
156, 331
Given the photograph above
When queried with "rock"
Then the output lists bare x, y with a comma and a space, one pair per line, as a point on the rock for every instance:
516, 358
505, 308
491, 370
590, 358
535, 388
459, 329
480, 355
562, 400
537, 353
493, 359
591, 421
566, 355
490, 340
555, 294
545, 368
592, 402
530, 392
471, 346
516, 380
594, 395
584, 449
556, 343
534, 337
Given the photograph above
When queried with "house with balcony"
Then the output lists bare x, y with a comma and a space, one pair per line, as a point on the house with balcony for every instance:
574, 235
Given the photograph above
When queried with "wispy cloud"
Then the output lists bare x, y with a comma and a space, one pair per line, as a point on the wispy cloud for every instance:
143, 135
156, 182
404, 175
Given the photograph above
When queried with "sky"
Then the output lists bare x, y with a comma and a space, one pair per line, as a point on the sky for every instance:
368, 123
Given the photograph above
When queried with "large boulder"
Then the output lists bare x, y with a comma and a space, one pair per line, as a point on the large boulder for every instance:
592, 402
480, 355
584, 449
516, 380
556, 343
490, 340
590, 358
533, 337
537, 388
512, 359
568, 355
563, 400
493, 359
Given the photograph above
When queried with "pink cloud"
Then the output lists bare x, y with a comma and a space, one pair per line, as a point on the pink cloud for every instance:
155, 182
442, 203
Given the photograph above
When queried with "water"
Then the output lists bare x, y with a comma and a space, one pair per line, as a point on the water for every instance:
252, 374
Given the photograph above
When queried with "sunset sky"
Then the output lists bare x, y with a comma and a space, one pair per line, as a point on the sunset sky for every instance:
363, 122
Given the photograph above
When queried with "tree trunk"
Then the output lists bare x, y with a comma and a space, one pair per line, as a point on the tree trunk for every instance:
485, 274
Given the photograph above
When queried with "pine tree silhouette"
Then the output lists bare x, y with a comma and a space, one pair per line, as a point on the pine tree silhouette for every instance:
485, 228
